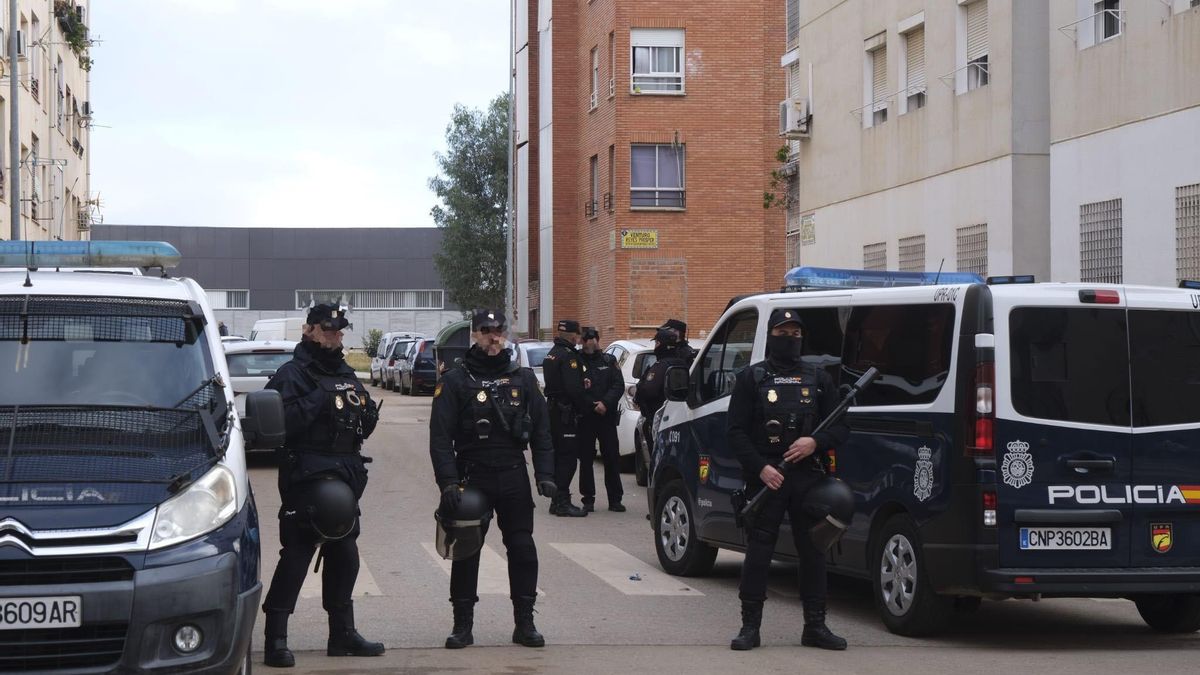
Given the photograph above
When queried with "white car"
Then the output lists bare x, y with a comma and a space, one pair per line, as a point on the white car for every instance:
530, 354
252, 363
379, 362
634, 357
232, 338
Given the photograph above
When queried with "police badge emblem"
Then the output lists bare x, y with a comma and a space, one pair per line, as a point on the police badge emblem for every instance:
337, 402
481, 397
1160, 537
923, 474
772, 396
804, 391
703, 469
1017, 467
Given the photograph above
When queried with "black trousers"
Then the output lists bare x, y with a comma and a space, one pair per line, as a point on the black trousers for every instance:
603, 431
511, 498
763, 533
566, 449
339, 567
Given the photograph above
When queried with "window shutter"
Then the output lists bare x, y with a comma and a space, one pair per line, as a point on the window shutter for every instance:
878, 76
794, 82
793, 21
916, 60
977, 30
656, 37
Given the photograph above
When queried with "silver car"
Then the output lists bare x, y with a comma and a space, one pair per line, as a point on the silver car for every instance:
252, 363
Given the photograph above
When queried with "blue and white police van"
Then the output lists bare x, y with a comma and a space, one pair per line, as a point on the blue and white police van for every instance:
129, 540
1023, 440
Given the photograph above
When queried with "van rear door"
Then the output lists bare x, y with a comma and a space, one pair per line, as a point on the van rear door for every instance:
1062, 432
1164, 341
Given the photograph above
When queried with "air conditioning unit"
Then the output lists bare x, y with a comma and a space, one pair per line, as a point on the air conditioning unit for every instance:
794, 119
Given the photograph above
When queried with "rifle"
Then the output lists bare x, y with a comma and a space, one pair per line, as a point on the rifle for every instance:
755, 505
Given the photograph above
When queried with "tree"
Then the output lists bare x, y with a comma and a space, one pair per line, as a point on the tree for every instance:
370, 341
473, 188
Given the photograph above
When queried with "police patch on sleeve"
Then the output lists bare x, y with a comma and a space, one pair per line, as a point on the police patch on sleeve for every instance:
437, 391
574, 363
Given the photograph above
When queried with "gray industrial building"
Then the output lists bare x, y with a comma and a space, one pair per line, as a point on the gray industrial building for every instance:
386, 275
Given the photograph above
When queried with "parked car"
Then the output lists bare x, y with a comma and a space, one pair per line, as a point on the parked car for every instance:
634, 357
529, 354
418, 371
278, 329
252, 363
232, 338
391, 367
383, 353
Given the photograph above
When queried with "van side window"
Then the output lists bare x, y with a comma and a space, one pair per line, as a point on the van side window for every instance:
823, 337
727, 354
909, 344
1070, 364
1165, 355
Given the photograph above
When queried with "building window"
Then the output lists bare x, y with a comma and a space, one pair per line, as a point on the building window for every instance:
1108, 19
591, 209
793, 22
1187, 232
1100, 242
657, 62
795, 228
373, 299
875, 256
228, 299
912, 253
973, 249
875, 92
612, 179
612, 65
976, 19
913, 80
60, 102
595, 100
656, 176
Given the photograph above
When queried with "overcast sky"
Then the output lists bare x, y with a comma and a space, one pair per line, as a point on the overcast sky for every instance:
312, 113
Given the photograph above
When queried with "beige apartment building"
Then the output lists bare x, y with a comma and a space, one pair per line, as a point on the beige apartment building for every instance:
995, 136
54, 119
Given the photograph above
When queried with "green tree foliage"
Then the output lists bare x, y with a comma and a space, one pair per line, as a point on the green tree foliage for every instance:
370, 341
473, 188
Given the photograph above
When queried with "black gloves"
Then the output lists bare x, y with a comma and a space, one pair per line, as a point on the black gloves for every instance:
547, 488
451, 496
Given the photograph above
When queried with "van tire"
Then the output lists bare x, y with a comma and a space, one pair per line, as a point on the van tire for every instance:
1176, 613
674, 520
924, 612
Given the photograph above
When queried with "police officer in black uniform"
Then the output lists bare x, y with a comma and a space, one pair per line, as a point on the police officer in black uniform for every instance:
563, 370
603, 385
328, 414
774, 407
486, 411
670, 349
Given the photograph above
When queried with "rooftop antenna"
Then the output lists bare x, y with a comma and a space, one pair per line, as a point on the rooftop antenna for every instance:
939, 273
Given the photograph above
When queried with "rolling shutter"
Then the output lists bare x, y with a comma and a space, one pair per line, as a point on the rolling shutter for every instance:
916, 60
977, 30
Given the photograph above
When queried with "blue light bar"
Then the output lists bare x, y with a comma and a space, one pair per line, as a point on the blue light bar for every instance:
38, 254
815, 278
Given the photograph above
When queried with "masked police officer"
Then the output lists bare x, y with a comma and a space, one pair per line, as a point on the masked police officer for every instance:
774, 407
603, 385
328, 414
486, 411
670, 349
563, 370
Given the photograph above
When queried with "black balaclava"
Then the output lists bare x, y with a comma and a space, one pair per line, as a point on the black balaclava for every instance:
784, 350
329, 358
481, 362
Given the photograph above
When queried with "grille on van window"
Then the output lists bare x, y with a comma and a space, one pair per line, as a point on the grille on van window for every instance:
94, 646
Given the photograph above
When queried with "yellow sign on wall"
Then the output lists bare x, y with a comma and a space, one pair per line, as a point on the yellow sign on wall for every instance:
639, 238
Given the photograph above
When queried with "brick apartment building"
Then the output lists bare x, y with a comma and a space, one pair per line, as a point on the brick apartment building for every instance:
644, 135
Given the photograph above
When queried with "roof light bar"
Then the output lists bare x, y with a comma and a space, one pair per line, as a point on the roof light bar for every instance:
1189, 283
38, 254
1011, 279
811, 278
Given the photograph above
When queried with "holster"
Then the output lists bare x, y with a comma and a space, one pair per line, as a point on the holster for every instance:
738, 500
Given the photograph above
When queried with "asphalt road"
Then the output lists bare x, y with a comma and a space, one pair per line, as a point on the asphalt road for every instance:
607, 607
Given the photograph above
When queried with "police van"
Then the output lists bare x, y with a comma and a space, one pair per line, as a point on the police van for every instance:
1023, 440
129, 540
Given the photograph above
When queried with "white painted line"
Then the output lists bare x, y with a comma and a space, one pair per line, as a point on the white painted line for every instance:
615, 567
364, 585
493, 570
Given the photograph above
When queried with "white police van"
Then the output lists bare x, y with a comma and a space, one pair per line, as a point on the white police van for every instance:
129, 540
1024, 440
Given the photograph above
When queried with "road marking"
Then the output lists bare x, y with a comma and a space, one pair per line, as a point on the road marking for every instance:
615, 567
493, 569
364, 586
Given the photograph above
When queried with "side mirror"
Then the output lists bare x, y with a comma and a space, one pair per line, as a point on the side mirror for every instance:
677, 383
262, 424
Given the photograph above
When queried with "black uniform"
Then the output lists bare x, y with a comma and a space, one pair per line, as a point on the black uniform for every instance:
486, 411
602, 382
651, 393
563, 369
797, 398
328, 414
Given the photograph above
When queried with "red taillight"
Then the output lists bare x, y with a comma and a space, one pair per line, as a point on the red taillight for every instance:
989, 500
1023, 580
1100, 297
989, 509
985, 408
391, 362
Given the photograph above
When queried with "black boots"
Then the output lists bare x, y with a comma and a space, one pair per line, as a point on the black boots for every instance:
525, 632
275, 650
616, 507
464, 621
344, 640
816, 633
562, 506
748, 637
588, 504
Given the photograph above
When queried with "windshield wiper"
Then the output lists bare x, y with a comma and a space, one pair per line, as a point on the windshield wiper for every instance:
215, 379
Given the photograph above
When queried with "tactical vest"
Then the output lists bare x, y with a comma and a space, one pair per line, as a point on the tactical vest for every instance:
494, 423
340, 428
786, 408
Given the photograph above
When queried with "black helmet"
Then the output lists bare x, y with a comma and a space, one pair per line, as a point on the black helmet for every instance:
831, 504
460, 533
331, 506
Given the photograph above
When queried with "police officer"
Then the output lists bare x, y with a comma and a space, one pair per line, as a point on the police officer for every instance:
486, 411
683, 349
563, 371
328, 414
670, 349
603, 385
774, 407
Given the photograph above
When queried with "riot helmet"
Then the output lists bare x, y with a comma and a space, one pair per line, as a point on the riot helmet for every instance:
460, 532
830, 503
331, 506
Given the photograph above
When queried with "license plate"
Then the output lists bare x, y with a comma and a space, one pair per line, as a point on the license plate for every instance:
1066, 538
58, 612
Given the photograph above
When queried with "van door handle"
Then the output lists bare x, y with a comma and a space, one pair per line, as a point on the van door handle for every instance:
1089, 463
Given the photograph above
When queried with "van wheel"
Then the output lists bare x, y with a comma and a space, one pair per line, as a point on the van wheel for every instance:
907, 603
680, 551
1170, 613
